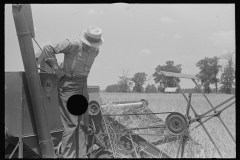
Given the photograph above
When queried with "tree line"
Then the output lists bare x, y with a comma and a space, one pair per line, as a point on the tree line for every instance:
209, 70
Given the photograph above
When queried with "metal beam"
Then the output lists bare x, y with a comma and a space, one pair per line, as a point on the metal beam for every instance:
22, 15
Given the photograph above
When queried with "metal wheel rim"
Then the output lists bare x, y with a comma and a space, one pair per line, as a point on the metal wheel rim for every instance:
176, 124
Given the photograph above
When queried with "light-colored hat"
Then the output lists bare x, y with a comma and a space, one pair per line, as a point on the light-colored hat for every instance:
92, 36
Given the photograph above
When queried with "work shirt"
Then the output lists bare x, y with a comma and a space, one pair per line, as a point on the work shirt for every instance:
72, 49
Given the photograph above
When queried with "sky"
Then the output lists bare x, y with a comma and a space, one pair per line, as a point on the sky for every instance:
137, 37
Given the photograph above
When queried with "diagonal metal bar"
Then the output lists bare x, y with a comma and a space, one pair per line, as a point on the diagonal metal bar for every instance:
179, 147
183, 146
184, 95
210, 138
196, 119
221, 119
14, 150
218, 106
213, 109
203, 93
205, 96
227, 130
188, 105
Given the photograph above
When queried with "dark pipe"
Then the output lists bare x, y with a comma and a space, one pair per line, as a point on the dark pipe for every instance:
22, 15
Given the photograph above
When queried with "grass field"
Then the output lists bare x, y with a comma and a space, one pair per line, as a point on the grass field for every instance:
176, 102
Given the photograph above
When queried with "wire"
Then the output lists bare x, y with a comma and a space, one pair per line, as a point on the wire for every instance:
31, 31
37, 44
35, 41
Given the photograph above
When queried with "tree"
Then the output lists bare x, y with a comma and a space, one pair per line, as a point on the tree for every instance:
113, 88
139, 79
124, 82
204, 81
214, 69
228, 76
138, 89
196, 89
209, 69
160, 89
150, 88
163, 80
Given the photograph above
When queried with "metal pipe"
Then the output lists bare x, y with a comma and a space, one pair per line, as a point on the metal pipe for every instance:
142, 102
131, 104
136, 114
22, 15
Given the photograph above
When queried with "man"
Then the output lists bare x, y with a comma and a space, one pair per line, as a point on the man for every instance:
79, 55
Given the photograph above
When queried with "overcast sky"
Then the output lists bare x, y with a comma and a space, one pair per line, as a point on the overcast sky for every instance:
137, 37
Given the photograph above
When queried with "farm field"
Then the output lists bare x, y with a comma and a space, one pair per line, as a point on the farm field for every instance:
177, 103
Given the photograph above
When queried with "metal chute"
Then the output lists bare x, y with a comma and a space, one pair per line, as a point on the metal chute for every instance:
25, 31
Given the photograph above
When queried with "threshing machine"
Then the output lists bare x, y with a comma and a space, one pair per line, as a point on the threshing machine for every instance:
33, 126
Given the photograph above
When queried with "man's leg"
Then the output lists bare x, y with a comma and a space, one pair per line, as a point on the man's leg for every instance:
84, 120
70, 123
82, 142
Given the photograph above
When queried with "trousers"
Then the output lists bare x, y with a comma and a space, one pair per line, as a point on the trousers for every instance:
68, 86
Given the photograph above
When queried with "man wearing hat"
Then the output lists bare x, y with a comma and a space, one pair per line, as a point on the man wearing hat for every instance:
79, 55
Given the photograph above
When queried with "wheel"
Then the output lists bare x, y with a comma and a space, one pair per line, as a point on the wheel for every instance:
93, 108
176, 124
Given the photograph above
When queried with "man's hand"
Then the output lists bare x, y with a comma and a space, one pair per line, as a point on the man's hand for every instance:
52, 62
58, 71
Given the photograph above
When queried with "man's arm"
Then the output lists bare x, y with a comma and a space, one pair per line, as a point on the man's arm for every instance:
48, 52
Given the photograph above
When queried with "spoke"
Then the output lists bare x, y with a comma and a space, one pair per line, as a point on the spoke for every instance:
227, 130
203, 93
195, 119
183, 145
202, 123
188, 106
211, 139
218, 106
220, 120
180, 142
